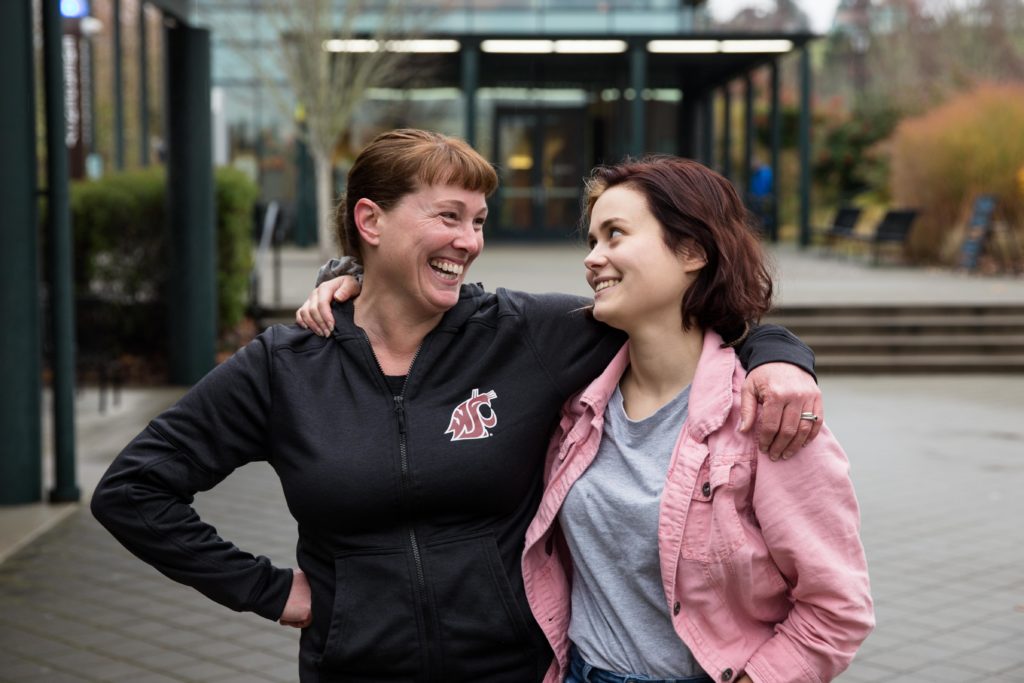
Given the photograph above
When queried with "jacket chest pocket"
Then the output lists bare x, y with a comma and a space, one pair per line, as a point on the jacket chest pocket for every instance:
713, 530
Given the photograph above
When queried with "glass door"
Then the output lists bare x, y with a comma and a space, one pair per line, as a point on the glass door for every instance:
539, 152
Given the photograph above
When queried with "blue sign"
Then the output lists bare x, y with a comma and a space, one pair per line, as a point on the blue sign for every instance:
74, 9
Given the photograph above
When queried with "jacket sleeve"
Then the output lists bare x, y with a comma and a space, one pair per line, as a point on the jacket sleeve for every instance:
810, 520
567, 342
145, 497
774, 344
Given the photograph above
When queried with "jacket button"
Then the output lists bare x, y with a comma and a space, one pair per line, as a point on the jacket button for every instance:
727, 675
706, 490
675, 609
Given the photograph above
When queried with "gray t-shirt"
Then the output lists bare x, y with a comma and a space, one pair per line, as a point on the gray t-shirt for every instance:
620, 620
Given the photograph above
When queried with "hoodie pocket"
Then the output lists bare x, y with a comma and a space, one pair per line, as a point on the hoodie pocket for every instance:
481, 621
373, 621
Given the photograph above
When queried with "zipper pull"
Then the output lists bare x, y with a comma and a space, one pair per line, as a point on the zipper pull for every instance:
400, 412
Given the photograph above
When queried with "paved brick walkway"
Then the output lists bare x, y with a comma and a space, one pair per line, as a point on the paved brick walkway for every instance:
939, 468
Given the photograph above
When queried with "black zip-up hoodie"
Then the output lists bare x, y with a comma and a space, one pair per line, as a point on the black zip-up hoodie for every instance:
411, 508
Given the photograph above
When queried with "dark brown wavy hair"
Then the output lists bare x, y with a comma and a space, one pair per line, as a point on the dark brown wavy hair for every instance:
399, 162
699, 211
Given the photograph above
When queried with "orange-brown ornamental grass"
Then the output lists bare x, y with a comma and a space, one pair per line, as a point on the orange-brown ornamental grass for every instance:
973, 144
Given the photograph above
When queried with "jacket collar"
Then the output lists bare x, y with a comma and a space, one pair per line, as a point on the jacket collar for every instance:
469, 295
711, 394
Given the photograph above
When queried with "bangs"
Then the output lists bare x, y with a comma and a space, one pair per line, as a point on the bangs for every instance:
450, 165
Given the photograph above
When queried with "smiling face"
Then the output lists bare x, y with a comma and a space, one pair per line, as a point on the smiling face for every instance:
424, 245
637, 280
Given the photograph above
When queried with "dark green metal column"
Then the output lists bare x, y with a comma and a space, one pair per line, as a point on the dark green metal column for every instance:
776, 146
305, 210
638, 81
805, 146
470, 83
687, 125
143, 87
118, 89
707, 128
748, 132
726, 164
62, 293
20, 406
191, 291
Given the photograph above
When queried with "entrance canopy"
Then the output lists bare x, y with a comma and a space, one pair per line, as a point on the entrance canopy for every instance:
693, 64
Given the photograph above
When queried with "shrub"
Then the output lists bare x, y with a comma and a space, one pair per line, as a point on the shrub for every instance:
940, 161
236, 196
120, 257
846, 163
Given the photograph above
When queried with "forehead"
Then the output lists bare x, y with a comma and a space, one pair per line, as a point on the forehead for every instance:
620, 202
431, 195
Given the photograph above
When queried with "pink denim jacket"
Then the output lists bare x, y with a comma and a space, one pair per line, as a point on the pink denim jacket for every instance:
761, 562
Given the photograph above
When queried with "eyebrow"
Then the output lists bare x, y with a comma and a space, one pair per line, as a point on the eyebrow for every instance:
457, 202
606, 224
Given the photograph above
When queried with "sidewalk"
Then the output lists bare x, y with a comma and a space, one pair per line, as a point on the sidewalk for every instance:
938, 463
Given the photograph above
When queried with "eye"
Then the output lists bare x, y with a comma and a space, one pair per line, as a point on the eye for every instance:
449, 216
478, 223
615, 232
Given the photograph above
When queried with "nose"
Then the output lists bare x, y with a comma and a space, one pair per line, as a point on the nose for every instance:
468, 238
595, 259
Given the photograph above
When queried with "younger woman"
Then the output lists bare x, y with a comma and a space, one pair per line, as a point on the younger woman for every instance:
679, 555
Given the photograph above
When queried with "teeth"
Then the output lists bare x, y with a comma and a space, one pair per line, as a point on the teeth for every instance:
447, 266
605, 284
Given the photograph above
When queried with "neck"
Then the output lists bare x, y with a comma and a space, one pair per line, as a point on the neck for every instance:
662, 361
395, 328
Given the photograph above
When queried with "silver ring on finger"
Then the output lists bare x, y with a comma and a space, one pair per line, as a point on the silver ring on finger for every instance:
810, 417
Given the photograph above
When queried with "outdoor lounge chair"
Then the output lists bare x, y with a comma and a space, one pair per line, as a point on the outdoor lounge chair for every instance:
893, 229
842, 225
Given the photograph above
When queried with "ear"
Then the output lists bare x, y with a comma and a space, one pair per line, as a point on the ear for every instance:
367, 215
692, 259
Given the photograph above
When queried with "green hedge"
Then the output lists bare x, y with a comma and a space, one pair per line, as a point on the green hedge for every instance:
121, 254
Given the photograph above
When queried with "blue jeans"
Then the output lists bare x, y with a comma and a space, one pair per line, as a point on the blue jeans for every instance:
581, 672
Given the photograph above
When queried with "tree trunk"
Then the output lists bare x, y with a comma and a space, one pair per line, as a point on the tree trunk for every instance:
325, 202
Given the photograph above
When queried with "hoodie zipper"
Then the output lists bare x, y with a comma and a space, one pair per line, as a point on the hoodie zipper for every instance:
399, 408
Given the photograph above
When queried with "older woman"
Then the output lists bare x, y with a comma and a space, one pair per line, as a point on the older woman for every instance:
665, 548
409, 442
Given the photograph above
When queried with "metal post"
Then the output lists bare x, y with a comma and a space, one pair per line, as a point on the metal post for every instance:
776, 144
118, 90
20, 406
470, 83
805, 146
62, 294
687, 122
748, 133
143, 87
727, 132
192, 292
638, 79
707, 128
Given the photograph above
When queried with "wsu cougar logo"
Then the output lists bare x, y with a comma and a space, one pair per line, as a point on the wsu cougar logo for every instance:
469, 420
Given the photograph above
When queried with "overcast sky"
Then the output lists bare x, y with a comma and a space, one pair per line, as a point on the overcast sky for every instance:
819, 11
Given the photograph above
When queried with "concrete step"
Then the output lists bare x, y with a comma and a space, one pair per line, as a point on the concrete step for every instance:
929, 343
919, 364
896, 324
909, 339
889, 310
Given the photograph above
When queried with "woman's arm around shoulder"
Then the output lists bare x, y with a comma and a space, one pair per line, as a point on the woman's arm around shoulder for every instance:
569, 344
